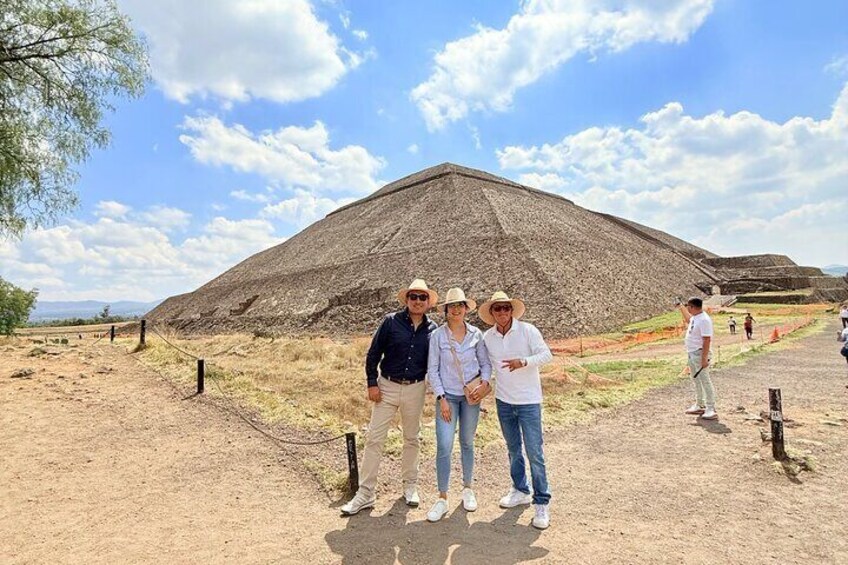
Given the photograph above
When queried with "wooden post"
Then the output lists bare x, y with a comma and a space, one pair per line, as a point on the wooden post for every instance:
143, 332
112, 334
776, 417
352, 466
201, 375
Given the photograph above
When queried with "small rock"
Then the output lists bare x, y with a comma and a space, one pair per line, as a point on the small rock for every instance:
830, 422
23, 373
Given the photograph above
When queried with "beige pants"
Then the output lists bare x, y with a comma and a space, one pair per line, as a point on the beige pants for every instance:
409, 399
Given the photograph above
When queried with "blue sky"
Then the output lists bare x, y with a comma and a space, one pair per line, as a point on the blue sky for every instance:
723, 122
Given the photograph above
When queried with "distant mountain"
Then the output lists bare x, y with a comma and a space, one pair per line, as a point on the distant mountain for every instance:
836, 270
46, 310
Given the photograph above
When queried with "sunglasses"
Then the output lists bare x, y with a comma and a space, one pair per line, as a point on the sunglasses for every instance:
456, 304
421, 297
502, 308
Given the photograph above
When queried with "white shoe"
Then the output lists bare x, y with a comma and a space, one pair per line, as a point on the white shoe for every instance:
515, 498
357, 503
695, 409
411, 496
709, 414
438, 511
542, 519
469, 501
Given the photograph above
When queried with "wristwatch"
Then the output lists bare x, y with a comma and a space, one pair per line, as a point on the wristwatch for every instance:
441, 396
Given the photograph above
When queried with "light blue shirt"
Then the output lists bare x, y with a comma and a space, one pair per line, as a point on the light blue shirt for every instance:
442, 372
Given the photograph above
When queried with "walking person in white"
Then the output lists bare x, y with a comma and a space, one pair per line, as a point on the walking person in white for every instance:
458, 371
517, 350
699, 335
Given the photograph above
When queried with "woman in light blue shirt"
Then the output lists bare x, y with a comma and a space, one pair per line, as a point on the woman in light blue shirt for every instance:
458, 363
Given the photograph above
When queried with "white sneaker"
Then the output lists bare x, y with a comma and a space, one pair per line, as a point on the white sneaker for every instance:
411, 496
515, 498
542, 519
709, 414
695, 409
438, 511
357, 503
469, 501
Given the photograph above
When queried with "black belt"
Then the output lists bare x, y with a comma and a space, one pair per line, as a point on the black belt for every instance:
402, 381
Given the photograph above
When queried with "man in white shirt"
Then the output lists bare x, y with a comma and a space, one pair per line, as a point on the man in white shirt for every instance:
843, 315
517, 350
699, 335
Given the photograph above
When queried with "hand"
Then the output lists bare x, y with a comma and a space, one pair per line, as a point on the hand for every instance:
444, 408
374, 394
512, 364
705, 363
477, 393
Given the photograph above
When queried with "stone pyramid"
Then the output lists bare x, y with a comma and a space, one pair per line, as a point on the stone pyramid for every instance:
577, 270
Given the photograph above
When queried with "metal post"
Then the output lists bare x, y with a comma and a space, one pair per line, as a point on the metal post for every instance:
143, 332
112, 334
353, 467
201, 375
776, 417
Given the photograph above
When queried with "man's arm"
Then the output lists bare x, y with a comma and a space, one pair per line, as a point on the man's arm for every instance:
686, 315
541, 353
705, 352
375, 352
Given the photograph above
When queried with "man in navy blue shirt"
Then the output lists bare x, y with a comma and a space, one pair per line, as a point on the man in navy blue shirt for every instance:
399, 348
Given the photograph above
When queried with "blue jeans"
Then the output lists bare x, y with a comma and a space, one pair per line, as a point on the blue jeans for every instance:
467, 415
525, 420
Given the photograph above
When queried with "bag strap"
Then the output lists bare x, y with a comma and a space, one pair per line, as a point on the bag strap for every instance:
456, 360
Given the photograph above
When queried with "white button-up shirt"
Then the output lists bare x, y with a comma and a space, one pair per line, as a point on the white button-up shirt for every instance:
522, 341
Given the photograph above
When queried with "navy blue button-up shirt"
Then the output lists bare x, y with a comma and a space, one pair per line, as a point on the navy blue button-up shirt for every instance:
402, 348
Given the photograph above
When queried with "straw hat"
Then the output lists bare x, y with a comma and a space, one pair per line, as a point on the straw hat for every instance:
455, 295
418, 284
485, 313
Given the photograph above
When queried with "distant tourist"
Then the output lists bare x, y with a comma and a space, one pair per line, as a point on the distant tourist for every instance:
517, 350
732, 324
843, 315
400, 348
458, 371
749, 326
699, 335
844, 339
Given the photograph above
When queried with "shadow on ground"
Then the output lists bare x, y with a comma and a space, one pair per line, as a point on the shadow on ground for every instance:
389, 538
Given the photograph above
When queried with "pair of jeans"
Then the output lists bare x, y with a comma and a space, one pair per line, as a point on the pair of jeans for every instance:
524, 422
467, 415
705, 394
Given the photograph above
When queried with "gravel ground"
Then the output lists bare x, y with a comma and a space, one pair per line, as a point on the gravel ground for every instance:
118, 466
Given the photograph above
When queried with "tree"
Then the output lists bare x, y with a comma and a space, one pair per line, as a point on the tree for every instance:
104, 314
62, 63
15, 306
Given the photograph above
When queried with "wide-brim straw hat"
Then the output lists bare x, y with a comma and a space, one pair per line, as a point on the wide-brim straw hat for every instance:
420, 285
455, 295
485, 311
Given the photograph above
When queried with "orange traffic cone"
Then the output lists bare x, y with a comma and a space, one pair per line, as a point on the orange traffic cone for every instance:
775, 336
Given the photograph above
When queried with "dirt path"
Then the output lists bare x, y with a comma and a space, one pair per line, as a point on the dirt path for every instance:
117, 467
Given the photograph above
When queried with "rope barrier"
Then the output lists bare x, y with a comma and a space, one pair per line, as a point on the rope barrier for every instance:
234, 407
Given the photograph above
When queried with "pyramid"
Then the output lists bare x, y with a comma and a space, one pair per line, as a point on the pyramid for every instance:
577, 270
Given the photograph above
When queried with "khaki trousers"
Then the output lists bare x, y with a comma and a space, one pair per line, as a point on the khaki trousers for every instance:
409, 399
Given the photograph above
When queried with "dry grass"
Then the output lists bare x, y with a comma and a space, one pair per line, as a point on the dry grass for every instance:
317, 385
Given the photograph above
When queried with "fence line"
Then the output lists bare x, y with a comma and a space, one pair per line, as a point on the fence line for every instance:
234, 406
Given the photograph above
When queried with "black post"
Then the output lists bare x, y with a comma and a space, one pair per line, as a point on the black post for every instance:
776, 417
201, 375
112, 334
143, 331
352, 466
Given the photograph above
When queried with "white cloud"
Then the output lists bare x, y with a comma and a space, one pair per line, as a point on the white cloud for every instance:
360, 34
413, 149
303, 209
129, 258
166, 218
293, 156
838, 66
111, 209
267, 49
260, 197
482, 71
734, 184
